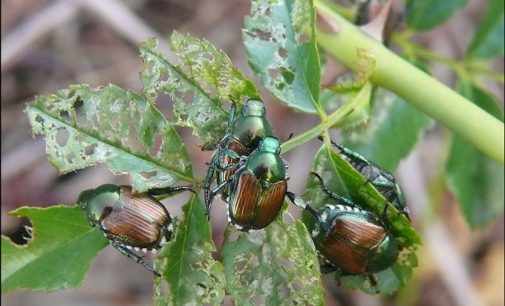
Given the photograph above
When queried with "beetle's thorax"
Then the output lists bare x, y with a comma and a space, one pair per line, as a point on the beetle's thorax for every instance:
250, 130
266, 166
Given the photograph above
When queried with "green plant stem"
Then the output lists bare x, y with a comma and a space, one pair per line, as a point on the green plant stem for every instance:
326, 123
463, 68
418, 88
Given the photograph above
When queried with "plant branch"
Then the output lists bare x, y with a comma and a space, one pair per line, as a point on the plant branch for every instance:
416, 87
326, 122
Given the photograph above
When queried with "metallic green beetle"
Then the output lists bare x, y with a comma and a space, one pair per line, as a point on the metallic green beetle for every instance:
242, 137
258, 187
350, 239
129, 220
379, 177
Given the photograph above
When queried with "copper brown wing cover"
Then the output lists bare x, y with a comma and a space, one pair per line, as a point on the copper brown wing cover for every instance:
351, 242
256, 206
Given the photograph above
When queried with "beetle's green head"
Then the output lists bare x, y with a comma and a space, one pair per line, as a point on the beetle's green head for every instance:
254, 107
96, 201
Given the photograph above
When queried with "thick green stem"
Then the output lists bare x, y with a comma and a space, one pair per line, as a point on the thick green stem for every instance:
415, 86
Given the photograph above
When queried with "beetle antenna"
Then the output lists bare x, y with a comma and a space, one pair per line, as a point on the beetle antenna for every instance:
338, 146
290, 136
331, 193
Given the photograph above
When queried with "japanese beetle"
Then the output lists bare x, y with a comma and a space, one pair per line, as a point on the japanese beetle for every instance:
350, 239
379, 177
258, 187
242, 137
129, 220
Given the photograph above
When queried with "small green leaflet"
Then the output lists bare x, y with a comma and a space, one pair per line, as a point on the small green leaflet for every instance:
84, 127
280, 43
475, 179
423, 15
488, 40
187, 264
59, 254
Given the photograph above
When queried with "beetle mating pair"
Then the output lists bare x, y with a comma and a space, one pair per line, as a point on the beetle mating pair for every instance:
250, 174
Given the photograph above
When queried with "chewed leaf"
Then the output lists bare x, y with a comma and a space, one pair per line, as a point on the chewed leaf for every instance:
274, 266
188, 266
279, 39
58, 255
198, 86
83, 127
211, 68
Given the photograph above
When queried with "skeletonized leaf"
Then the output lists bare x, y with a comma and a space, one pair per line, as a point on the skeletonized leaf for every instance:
198, 86
84, 127
273, 266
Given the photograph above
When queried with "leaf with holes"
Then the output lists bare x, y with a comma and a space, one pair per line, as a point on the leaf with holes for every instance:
59, 253
198, 86
280, 43
191, 272
84, 127
274, 266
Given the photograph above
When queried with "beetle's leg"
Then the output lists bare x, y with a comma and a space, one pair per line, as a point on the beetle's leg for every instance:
138, 259
384, 217
326, 268
229, 153
222, 185
335, 196
349, 153
298, 201
373, 282
169, 190
208, 180
231, 112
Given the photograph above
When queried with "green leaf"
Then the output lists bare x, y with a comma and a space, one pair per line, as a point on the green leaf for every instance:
57, 256
488, 41
83, 127
423, 15
193, 276
340, 177
476, 181
280, 43
392, 132
198, 86
274, 266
